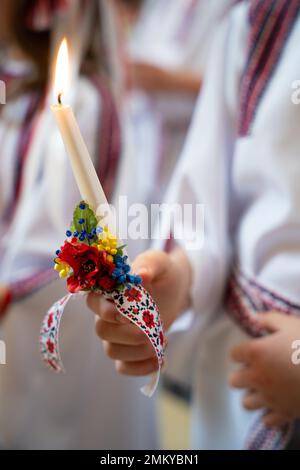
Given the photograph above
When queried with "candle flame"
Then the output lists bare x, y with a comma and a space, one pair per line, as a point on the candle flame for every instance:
61, 71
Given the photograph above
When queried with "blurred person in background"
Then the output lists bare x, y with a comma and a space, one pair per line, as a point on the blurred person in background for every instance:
90, 407
163, 49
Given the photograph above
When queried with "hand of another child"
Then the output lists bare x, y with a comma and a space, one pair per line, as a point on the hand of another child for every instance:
270, 369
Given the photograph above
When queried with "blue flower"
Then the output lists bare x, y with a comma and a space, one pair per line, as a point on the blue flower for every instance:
137, 279
130, 278
116, 273
122, 271
118, 259
126, 268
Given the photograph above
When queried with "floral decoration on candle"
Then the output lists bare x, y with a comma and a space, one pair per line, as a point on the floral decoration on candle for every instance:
91, 260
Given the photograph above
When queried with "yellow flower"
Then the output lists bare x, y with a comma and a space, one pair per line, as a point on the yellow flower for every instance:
62, 268
107, 242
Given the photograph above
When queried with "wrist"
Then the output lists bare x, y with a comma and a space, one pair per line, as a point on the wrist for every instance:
182, 81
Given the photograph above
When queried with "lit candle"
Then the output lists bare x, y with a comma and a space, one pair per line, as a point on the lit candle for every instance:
82, 166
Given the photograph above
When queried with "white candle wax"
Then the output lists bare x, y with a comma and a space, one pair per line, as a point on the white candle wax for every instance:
83, 169
82, 166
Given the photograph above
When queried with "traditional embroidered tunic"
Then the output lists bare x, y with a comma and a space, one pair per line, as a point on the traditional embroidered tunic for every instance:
90, 407
242, 163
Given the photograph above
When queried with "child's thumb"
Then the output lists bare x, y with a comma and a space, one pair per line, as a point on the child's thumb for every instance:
149, 265
272, 321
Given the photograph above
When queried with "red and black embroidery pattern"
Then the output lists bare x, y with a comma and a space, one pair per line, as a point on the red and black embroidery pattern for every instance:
271, 22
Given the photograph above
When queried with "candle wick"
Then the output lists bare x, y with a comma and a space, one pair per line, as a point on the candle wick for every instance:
59, 98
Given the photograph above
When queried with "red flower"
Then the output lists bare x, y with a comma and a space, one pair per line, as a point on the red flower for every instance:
133, 295
106, 282
148, 319
91, 268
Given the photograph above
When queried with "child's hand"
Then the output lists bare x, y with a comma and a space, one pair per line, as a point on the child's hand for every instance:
152, 78
167, 277
271, 378
146, 76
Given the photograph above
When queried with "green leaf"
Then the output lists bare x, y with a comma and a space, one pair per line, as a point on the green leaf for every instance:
90, 220
76, 226
72, 228
121, 247
120, 250
120, 287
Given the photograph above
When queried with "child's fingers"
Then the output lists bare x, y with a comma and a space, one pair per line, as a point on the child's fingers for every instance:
129, 353
105, 309
272, 321
137, 369
101, 307
128, 335
241, 352
150, 265
273, 418
242, 378
253, 401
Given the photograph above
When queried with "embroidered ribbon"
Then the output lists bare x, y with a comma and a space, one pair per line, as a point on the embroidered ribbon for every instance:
133, 302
